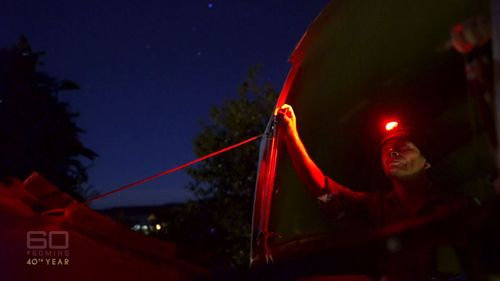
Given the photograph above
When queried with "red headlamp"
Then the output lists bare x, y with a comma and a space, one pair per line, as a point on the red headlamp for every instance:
389, 126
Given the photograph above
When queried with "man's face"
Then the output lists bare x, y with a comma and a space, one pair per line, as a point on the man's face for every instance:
402, 160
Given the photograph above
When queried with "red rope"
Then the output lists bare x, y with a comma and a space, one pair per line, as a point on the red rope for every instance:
100, 196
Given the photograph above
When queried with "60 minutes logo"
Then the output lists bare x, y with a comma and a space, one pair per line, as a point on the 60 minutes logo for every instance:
47, 248
38, 240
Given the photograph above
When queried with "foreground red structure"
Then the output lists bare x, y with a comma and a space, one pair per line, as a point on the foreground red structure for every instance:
46, 235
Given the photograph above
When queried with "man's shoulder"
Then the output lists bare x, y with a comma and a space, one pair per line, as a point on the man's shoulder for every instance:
452, 207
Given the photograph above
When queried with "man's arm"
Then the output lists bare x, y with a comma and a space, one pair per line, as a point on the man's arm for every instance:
308, 171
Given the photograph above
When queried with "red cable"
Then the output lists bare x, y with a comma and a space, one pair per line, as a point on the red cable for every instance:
171, 170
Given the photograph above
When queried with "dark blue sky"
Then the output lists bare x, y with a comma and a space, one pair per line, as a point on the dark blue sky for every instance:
150, 70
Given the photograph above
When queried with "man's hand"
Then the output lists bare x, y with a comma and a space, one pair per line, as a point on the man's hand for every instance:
286, 120
471, 34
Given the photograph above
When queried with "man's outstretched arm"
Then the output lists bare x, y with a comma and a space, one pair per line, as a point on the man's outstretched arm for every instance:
308, 171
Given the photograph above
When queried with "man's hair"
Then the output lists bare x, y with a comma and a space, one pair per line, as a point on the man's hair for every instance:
413, 135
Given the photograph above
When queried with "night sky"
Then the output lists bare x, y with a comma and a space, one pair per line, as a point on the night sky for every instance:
149, 71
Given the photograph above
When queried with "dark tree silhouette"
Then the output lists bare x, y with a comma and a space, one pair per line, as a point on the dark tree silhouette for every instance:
37, 131
220, 219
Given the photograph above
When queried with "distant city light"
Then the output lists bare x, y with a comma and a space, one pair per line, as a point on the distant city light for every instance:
158, 227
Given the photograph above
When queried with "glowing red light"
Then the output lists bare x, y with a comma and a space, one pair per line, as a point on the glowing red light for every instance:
391, 125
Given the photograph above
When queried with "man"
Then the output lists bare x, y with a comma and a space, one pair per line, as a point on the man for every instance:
401, 160
411, 204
